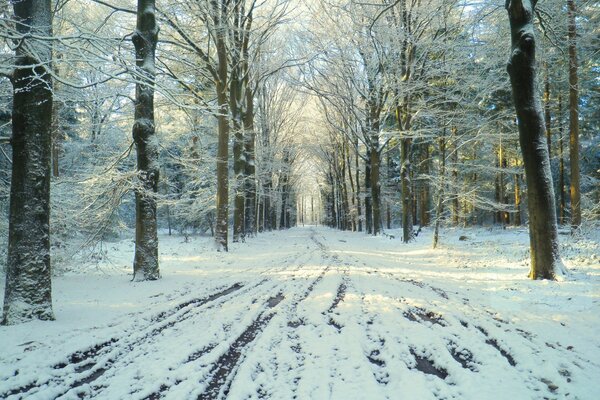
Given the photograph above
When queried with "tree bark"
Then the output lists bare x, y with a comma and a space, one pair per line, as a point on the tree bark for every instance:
357, 173
376, 185
368, 193
518, 221
547, 115
222, 229
455, 189
239, 160
145, 264
28, 290
574, 118
543, 233
424, 198
250, 173
561, 167
439, 209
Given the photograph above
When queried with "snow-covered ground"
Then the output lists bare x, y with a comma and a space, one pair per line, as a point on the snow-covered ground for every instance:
313, 313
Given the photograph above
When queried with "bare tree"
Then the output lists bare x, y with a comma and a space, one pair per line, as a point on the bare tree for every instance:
574, 117
543, 232
28, 293
145, 265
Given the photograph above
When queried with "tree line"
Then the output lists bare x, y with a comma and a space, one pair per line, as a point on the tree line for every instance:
199, 109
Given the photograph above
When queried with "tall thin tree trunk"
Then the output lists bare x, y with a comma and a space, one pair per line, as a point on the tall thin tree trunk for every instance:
518, 220
406, 193
249, 150
455, 190
28, 290
357, 174
239, 163
145, 264
353, 195
368, 193
561, 166
424, 198
376, 185
574, 118
439, 209
543, 232
222, 221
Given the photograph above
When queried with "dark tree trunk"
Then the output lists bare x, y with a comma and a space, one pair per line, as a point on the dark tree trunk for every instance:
357, 173
574, 118
249, 150
403, 121
407, 204
145, 264
424, 198
375, 185
439, 208
222, 229
518, 221
239, 160
543, 233
547, 115
455, 189
56, 136
561, 167
353, 196
368, 204
28, 291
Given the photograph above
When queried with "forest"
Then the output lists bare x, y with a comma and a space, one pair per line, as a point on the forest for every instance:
299, 199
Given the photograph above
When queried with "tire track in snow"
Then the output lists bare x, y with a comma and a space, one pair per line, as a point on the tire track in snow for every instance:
95, 361
462, 355
223, 371
231, 358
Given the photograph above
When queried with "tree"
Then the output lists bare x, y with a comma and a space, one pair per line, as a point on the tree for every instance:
574, 118
543, 232
145, 265
28, 293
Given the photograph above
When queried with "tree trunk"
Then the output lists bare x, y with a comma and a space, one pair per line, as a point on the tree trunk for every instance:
424, 198
249, 150
439, 209
561, 166
547, 115
56, 136
28, 291
239, 163
407, 219
358, 202
375, 185
145, 264
574, 118
455, 189
518, 220
221, 228
368, 207
543, 233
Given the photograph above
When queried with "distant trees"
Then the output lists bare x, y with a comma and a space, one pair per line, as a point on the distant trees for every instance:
28, 292
446, 118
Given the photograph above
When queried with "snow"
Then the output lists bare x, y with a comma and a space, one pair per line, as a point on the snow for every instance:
314, 313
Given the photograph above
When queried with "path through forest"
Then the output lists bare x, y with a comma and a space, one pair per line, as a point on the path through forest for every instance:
313, 313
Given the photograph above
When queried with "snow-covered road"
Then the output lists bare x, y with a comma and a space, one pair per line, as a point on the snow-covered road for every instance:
313, 313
